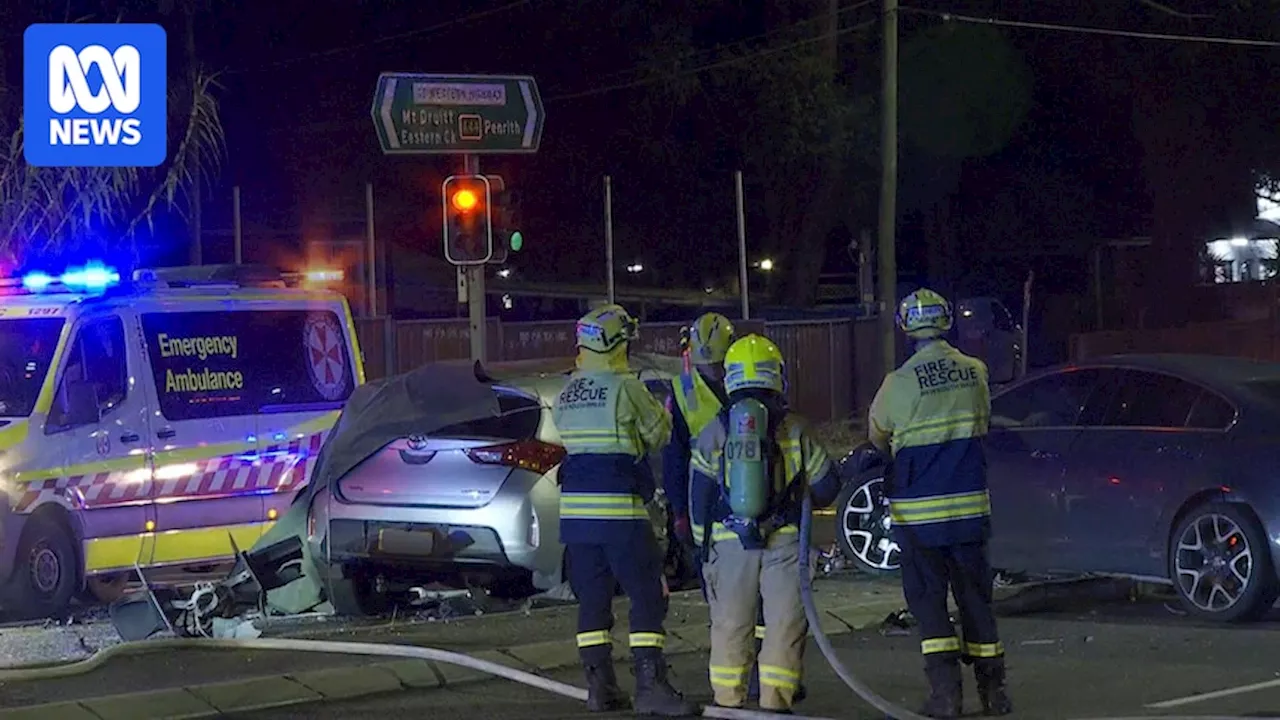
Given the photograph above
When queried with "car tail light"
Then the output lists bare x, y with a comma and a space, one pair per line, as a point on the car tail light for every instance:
533, 455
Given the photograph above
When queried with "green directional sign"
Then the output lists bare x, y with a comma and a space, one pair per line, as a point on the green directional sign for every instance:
455, 114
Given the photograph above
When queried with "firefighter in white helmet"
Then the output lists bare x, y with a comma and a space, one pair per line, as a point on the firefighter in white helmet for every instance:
762, 461
931, 414
609, 422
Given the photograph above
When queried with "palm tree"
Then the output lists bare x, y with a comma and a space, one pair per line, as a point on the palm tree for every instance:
46, 208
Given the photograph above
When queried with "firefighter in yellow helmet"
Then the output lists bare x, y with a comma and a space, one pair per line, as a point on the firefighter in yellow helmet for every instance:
931, 414
698, 397
609, 422
762, 460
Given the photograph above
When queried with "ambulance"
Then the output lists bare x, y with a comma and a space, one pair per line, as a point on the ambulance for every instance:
151, 423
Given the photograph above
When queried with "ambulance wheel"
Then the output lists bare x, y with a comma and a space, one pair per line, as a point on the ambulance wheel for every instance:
862, 525
45, 573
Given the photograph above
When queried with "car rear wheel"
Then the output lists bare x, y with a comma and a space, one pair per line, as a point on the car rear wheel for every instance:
352, 591
1220, 564
863, 526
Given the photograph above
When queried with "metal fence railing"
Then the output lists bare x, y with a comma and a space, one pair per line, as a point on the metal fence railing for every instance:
832, 365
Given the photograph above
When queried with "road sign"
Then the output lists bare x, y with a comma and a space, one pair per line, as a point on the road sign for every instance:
419, 114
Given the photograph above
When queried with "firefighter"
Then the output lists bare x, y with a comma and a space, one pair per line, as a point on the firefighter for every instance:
608, 422
760, 458
931, 414
698, 398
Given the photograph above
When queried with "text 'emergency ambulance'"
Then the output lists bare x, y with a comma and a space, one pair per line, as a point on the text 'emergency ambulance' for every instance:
201, 348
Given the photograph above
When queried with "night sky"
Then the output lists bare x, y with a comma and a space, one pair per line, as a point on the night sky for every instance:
1120, 137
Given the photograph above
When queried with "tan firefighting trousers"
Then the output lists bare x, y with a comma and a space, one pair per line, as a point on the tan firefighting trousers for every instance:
736, 580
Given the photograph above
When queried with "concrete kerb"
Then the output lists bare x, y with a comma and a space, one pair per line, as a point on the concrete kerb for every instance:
335, 684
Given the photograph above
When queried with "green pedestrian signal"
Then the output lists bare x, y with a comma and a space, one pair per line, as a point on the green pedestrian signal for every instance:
517, 241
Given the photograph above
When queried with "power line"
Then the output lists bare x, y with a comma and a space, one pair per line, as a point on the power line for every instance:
709, 52
337, 124
711, 66
1085, 30
419, 32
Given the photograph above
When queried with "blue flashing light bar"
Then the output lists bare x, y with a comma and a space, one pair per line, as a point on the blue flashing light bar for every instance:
37, 281
92, 277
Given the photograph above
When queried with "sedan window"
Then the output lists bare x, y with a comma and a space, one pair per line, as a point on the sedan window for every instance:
1052, 401
1147, 399
1211, 413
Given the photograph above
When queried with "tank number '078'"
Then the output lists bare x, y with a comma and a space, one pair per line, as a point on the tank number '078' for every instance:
742, 448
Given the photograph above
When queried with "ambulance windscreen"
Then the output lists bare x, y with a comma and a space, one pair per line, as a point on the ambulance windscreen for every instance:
27, 347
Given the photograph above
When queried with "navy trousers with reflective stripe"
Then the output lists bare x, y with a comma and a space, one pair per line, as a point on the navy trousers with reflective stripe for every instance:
927, 574
594, 572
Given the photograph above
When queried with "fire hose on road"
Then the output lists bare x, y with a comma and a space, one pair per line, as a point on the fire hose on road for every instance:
891, 711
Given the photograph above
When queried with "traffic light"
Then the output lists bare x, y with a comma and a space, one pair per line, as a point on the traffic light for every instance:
468, 219
506, 214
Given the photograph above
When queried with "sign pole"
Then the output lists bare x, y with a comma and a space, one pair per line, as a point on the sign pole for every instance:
608, 236
371, 251
235, 221
742, 247
475, 285
1026, 321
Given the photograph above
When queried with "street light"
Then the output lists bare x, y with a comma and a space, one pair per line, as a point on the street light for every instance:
635, 268
504, 273
766, 264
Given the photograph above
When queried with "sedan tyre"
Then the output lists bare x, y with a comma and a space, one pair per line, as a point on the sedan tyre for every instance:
1220, 564
863, 525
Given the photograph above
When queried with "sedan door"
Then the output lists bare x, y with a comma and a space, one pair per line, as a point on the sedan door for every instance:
1140, 458
1033, 427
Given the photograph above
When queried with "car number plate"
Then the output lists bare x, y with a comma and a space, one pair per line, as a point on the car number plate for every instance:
742, 448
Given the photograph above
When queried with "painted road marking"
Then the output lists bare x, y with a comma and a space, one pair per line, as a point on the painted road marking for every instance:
1227, 692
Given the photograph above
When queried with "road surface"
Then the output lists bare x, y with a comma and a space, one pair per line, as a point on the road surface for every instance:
1110, 662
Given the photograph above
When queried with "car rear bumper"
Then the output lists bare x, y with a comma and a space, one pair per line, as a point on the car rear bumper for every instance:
518, 529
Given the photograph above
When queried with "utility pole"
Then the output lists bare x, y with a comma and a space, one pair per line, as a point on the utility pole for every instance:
886, 250
743, 280
608, 239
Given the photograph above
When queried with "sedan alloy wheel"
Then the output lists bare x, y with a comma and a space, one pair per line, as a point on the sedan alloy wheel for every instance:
864, 527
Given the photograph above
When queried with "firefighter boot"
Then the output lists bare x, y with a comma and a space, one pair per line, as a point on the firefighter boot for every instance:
945, 688
654, 695
603, 693
989, 672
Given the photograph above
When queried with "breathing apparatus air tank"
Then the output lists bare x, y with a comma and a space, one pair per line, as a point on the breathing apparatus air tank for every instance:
746, 467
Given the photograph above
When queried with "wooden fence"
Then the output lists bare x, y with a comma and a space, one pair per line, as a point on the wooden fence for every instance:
831, 364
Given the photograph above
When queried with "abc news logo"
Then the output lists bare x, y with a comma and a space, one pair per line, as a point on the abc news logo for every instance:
121, 90
95, 95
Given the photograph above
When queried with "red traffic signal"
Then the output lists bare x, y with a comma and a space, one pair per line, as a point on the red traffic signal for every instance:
464, 200
468, 219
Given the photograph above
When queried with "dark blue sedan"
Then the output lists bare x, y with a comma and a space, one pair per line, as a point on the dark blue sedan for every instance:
1157, 467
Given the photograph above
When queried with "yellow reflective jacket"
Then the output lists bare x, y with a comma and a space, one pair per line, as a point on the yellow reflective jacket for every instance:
931, 414
608, 422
